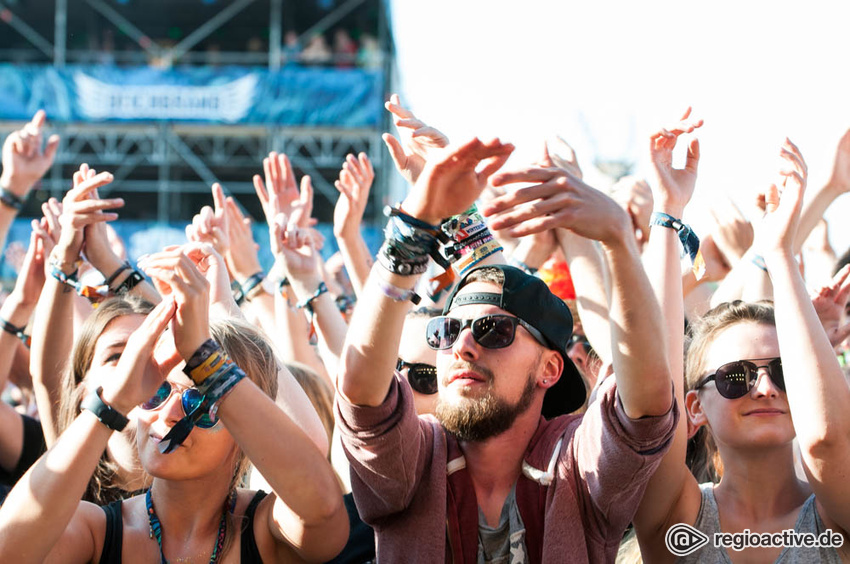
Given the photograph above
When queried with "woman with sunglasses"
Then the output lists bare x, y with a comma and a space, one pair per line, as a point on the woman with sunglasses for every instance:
191, 441
749, 369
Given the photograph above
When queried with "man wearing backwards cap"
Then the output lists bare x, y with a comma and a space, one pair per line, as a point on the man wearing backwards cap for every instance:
490, 480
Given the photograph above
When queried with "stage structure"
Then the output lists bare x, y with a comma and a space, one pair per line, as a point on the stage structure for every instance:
202, 104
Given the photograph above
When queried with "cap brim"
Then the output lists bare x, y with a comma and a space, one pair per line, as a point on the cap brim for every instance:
568, 394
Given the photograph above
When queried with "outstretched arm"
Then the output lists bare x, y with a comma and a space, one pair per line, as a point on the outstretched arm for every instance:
43, 514
641, 368
816, 388
448, 185
25, 161
355, 180
672, 494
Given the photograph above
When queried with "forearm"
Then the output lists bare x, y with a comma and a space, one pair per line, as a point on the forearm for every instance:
371, 347
262, 308
42, 504
814, 209
588, 272
293, 400
17, 314
357, 259
7, 216
327, 319
288, 459
293, 339
52, 340
640, 363
816, 388
746, 281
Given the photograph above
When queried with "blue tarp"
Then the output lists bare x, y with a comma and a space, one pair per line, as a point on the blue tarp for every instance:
294, 96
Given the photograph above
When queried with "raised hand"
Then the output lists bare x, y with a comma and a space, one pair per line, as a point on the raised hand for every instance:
280, 193
732, 233
212, 266
564, 156
778, 228
557, 200
674, 186
241, 256
355, 180
139, 371
635, 196
418, 140
452, 181
295, 248
31, 277
830, 303
210, 224
24, 159
175, 274
80, 209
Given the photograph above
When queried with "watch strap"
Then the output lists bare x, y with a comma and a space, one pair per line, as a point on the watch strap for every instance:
105, 414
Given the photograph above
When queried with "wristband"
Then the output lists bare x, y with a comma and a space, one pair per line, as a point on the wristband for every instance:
105, 414
252, 285
11, 200
689, 239
395, 293
129, 283
117, 273
758, 260
16, 331
204, 352
308, 303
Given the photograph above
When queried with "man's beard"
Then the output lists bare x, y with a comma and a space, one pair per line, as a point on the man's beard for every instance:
478, 419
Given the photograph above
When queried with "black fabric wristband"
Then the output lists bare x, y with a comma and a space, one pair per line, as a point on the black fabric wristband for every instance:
11, 200
105, 414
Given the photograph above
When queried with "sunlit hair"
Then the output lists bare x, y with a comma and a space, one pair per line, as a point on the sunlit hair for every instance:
101, 488
703, 458
319, 392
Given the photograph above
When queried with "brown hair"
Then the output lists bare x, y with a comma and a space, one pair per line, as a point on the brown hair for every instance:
319, 392
101, 489
703, 458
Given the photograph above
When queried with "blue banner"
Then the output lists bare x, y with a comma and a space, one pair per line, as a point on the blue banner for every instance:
294, 96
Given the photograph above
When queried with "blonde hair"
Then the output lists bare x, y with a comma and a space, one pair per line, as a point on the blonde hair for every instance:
703, 457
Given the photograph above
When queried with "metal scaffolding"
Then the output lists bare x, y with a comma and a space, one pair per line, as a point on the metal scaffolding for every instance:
165, 159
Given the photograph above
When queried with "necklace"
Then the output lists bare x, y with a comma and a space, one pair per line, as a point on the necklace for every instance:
156, 526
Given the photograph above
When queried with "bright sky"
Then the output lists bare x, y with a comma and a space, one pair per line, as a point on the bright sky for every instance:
603, 74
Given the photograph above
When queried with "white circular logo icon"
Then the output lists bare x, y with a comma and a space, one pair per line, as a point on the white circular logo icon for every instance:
682, 539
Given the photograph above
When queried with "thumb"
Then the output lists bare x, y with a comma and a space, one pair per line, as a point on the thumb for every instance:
840, 335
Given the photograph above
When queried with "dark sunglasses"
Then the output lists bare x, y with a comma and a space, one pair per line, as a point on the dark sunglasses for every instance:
489, 331
422, 377
190, 398
736, 379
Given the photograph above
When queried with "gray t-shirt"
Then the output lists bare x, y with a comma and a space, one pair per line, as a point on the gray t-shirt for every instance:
505, 543
708, 521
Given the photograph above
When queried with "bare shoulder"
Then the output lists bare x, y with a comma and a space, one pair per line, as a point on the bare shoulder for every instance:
82, 540
271, 548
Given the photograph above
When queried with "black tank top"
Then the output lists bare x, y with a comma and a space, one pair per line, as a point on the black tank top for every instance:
113, 543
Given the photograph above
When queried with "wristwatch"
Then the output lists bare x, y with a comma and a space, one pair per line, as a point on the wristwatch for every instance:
108, 416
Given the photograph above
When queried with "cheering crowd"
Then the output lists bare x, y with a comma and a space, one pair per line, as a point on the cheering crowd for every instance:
530, 369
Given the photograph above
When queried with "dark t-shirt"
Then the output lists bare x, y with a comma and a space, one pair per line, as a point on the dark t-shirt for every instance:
33, 448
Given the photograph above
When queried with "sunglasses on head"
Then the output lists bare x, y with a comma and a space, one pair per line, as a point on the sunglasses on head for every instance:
736, 379
422, 377
190, 398
489, 331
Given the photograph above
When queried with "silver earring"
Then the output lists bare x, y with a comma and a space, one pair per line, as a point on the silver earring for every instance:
545, 381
